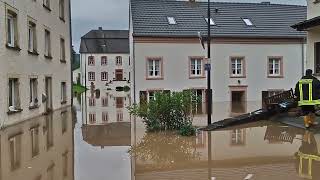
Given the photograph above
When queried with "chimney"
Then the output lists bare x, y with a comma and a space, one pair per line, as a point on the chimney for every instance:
100, 28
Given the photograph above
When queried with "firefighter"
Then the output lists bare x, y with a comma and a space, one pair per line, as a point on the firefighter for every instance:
307, 92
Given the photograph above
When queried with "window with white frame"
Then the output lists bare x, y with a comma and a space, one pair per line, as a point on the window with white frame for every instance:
154, 68
15, 152
104, 76
33, 92
247, 21
34, 141
62, 50
92, 76
32, 40
196, 67
91, 61
104, 101
14, 99
61, 10
171, 20
46, 3
47, 43
118, 60
151, 95
237, 66
92, 118
12, 29
104, 61
105, 117
92, 101
275, 66
63, 92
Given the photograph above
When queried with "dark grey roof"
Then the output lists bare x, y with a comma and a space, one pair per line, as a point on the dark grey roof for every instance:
270, 20
105, 41
301, 26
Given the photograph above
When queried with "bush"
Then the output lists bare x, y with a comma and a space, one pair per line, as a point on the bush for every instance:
187, 130
167, 112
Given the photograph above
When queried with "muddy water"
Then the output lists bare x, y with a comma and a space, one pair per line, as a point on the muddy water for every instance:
92, 145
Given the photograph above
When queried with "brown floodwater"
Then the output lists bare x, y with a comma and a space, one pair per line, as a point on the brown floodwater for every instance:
100, 141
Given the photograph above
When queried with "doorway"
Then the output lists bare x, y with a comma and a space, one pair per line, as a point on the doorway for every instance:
48, 90
238, 100
119, 74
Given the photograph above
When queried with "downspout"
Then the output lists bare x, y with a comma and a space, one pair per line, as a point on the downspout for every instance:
303, 56
71, 52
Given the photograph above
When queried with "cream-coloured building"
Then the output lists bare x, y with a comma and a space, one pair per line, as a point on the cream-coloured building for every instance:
35, 70
105, 59
312, 25
254, 50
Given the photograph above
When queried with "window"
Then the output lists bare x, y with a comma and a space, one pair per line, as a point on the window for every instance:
32, 40
151, 95
154, 68
47, 43
63, 92
92, 118
317, 57
62, 50
119, 116
196, 67
12, 29
14, 99
104, 61
104, 101
104, 76
119, 102
33, 92
15, 152
34, 141
238, 137
171, 20
237, 67
92, 101
92, 76
118, 60
275, 69
91, 61
105, 117
46, 3
65, 164
212, 23
61, 10
247, 21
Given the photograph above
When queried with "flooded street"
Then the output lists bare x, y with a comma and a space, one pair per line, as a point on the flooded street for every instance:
104, 142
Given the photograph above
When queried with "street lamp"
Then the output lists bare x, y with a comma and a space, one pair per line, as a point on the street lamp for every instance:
208, 67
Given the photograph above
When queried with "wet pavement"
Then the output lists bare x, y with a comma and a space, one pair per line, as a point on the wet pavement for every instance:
102, 141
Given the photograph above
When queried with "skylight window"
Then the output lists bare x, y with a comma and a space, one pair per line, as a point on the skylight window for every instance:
171, 20
247, 21
212, 23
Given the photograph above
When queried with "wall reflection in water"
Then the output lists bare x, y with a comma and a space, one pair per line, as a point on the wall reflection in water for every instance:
262, 150
39, 149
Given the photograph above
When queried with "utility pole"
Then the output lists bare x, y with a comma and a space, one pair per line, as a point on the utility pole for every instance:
208, 67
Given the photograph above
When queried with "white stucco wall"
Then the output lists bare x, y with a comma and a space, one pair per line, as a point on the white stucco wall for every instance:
21, 65
313, 9
110, 68
176, 62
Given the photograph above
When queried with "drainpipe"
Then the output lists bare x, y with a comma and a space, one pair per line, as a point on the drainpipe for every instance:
303, 55
71, 53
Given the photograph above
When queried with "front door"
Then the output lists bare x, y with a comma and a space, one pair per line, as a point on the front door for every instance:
119, 74
48, 89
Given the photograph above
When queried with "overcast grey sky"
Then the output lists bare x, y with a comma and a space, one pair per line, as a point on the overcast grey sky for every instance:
114, 14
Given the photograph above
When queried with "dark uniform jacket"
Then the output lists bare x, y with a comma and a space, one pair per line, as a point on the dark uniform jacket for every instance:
305, 89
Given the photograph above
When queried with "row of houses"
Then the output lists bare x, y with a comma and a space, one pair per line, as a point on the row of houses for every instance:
35, 53
256, 50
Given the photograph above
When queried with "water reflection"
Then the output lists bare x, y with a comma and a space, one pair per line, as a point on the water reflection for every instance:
263, 150
40, 148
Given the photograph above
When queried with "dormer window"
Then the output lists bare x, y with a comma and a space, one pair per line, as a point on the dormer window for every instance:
247, 21
212, 23
171, 20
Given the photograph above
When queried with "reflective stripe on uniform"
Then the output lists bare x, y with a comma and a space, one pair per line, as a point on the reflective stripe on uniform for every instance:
310, 101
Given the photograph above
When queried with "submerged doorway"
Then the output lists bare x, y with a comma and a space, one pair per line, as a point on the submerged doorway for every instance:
238, 100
